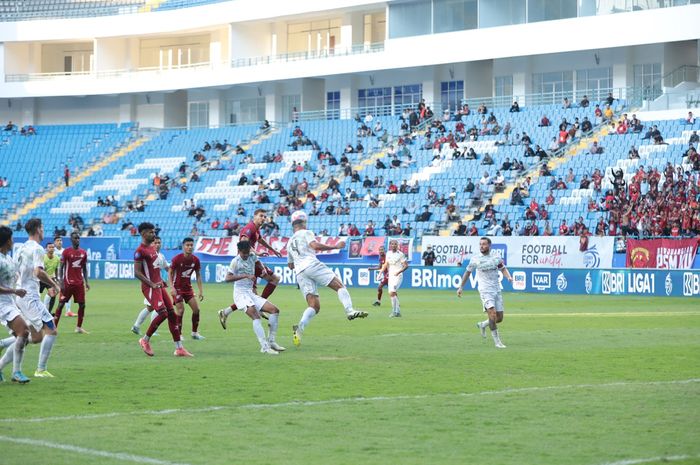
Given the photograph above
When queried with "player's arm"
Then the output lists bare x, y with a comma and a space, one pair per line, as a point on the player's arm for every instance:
9, 290
233, 274
41, 274
171, 272
383, 266
318, 247
199, 284
268, 246
169, 280
141, 276
466, 274
59, 276
505, 272
290, 260
85, 276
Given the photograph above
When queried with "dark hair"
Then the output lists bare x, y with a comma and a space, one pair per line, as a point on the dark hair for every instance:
5, 235
259, 210
187, 239
144, 226
243, 246
157, 238
75, 233
32, 225
57, 237
486, 239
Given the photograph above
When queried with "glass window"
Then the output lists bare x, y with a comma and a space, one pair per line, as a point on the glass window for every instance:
503, 90
333, 105
291, 106
547, 10
451, 94
454, 15
198, 114
647, 77
409, 19
501, 12
407, 97
376, 101
553, 86
594, 83
314, 37
244, 111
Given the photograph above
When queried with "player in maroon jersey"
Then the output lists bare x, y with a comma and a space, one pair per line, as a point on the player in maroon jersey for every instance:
251, 233
385, 278
74, 280
182, 268
153, 289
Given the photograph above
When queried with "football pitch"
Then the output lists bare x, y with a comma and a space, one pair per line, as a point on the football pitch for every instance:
584, 380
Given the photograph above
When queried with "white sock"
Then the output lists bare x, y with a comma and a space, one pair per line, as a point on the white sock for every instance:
345, 299
260, 333
7, 357
395, 304
309, 313
141, 318
494, 335
45, 351
272, 323
7, 342
484, 324
20, 343
227, 311
67, 307
154, 314
178, 344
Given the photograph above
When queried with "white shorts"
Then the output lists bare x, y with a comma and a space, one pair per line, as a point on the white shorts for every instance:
243, 300
8, 313
492, 300
395, 282
317, 274
34, 311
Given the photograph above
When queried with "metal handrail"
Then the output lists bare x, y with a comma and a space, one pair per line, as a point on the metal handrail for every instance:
356, 49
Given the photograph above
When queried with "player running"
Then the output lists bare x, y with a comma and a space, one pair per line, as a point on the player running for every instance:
58, 244
310, 273
487, 267
393, 267
30, 261
9, 314
51, 262
385, 277
74, 280
180, 273
161, 264
242, 273
251, 233
153, 289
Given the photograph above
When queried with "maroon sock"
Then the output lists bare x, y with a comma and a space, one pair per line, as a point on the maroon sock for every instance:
195, 322
269, 289
57, 315
153, 327
81, 315
380, 291
172, 325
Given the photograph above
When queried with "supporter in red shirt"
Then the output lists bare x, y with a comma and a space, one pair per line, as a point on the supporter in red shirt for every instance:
563, 228
550, 198
473, 231
215, 224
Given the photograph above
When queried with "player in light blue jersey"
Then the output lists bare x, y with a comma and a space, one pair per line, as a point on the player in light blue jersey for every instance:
488, 268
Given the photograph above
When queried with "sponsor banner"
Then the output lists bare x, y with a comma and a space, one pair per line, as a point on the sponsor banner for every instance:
355, 248
370, 246
226, 246
664, 254
527, 252
97, 248
658, 283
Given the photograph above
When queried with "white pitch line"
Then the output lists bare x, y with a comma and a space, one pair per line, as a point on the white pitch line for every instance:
343, 400
671, 458
85, 451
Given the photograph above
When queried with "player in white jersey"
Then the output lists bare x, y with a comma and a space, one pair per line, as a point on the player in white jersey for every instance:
487, 268
9, 314
310, 273
394, 266
162, 265
58, 251
241, 273
30, 260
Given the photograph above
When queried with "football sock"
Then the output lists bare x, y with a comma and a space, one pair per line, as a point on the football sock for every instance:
7, 342
309, 313
395, 304
345, 299
18, 353
494, 334
141, 318
160, 316
380, 291
45, 351
229, 310
492, 325
68, 305
154, 314
269, 289
173, 326
81, 314
272, 323
178, 344
484, 323
7, 357
195, 322
259, 332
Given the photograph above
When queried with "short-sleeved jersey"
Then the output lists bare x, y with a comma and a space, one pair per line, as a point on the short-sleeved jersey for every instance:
240, 266
8, 278
395, 261
487, 274
147, 255
73, 261
183, 267
30, 256
51, 264
162, 265
382, 259
252, 232
299, 252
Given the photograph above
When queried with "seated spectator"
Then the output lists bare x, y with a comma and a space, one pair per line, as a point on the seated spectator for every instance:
544, 122
470, 154
609, 99
561, 185
570, 176
608, 113
515, 108
473, 231
585, 182
595, 149
425, 215
499, 182
380, 165
544, 170
566, 104
563, 228
516, 197
215, 224
525, 139
540, 153
584, 102
694, 138
487, 160
10, 126
460, 230
529, 151
633, 153
407, 230
586, 125
550, 198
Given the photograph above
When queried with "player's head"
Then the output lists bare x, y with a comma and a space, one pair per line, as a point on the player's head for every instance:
188, 245
50, 249
393, 245
147, 232
485, 245
382, 250
35, 229
243, 249
299, 219
58, 242
259, 217
75, 239
5, 238
157, 243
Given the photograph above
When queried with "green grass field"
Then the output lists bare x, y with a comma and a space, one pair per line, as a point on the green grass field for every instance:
584, 380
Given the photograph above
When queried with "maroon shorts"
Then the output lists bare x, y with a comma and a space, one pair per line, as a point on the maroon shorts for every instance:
76, 291
183, 296
385, 281
157, 298
261, 269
